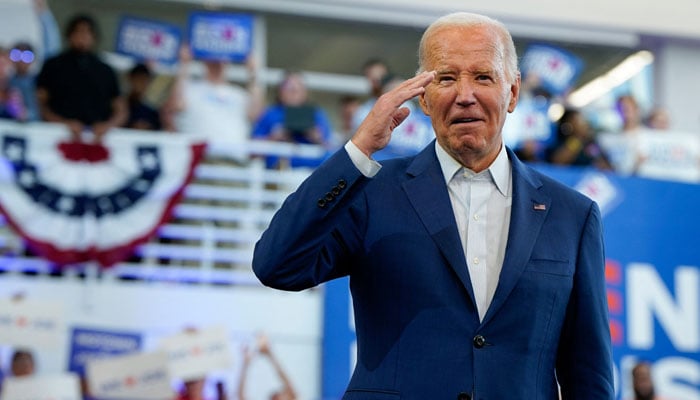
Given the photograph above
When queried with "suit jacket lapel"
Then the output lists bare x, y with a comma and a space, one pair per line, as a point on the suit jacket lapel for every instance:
528, 212
428, 194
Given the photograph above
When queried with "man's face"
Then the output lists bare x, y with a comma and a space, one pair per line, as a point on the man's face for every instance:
23, 366
5, 64
292, 91
82, 38
470, 97
642, 382
375, 73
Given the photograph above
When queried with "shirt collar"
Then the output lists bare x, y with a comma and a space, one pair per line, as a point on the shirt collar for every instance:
499, 170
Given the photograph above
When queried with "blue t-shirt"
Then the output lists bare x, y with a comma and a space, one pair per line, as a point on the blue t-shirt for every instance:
274, 118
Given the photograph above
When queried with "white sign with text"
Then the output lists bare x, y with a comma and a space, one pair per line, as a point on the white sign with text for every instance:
48, 387
193, 355
32, 323
142, 376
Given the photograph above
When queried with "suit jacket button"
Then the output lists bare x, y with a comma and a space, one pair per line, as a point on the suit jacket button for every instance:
321, 203
463, 396
329, 196
342, 183
479, 341
335, 190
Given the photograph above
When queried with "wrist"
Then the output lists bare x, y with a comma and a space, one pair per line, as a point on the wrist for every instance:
361, 147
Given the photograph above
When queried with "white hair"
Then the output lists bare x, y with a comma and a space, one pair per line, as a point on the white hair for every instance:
465, 19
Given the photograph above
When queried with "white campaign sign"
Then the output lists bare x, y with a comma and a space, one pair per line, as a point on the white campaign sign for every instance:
138, 376
670, 155
49, 387
32, 323
193, 355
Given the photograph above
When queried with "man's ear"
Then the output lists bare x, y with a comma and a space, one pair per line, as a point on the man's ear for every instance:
423, 104
514, 93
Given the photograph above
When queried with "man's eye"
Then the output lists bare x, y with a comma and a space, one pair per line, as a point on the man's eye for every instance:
445, 79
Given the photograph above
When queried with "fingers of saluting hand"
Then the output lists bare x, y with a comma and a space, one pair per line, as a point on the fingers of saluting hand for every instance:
407, 90
375, 131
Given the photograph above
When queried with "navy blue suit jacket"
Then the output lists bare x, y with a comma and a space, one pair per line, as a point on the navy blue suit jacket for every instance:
418, 331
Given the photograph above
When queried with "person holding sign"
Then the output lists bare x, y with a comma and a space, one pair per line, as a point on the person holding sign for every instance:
22, 363
287, 391
213, 106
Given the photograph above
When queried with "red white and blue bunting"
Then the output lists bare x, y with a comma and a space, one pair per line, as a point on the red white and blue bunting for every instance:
76, 202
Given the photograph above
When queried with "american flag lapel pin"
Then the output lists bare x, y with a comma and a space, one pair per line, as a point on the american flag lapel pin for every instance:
539, 207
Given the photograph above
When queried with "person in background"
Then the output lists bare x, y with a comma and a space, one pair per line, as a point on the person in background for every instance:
658, 119
23, 57
193, 389
27, 59
623, 146
11, 102
630, 113
78, 89
294, 119
528, 130
347, 107
212, 105
287, 391
22, 363
643, 383
141, 114
575, 143
375, 71
472, 275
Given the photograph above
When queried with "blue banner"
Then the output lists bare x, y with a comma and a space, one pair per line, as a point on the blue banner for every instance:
216, 36
88, 344
556, 68
148, 40
652, 275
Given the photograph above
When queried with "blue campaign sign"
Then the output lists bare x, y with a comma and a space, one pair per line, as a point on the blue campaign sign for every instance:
148, 40
217, 36
556, 68
652, 278
87, 344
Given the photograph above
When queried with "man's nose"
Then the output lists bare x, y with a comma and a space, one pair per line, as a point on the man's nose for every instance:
465, 92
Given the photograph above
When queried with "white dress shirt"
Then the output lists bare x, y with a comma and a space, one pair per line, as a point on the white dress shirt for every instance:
481, 204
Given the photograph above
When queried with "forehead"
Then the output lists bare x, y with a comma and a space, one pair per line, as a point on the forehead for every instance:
292, 82
474, 44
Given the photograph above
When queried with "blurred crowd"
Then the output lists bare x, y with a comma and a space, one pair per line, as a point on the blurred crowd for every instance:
22, 364
74, 86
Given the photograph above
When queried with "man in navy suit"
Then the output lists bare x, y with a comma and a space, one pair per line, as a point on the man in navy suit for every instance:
472, 275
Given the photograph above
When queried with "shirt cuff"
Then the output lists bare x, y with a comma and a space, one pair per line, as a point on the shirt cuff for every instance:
364, 164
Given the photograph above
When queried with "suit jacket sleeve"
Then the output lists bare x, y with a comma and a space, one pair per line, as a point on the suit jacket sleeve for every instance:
313, 236
584, 362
